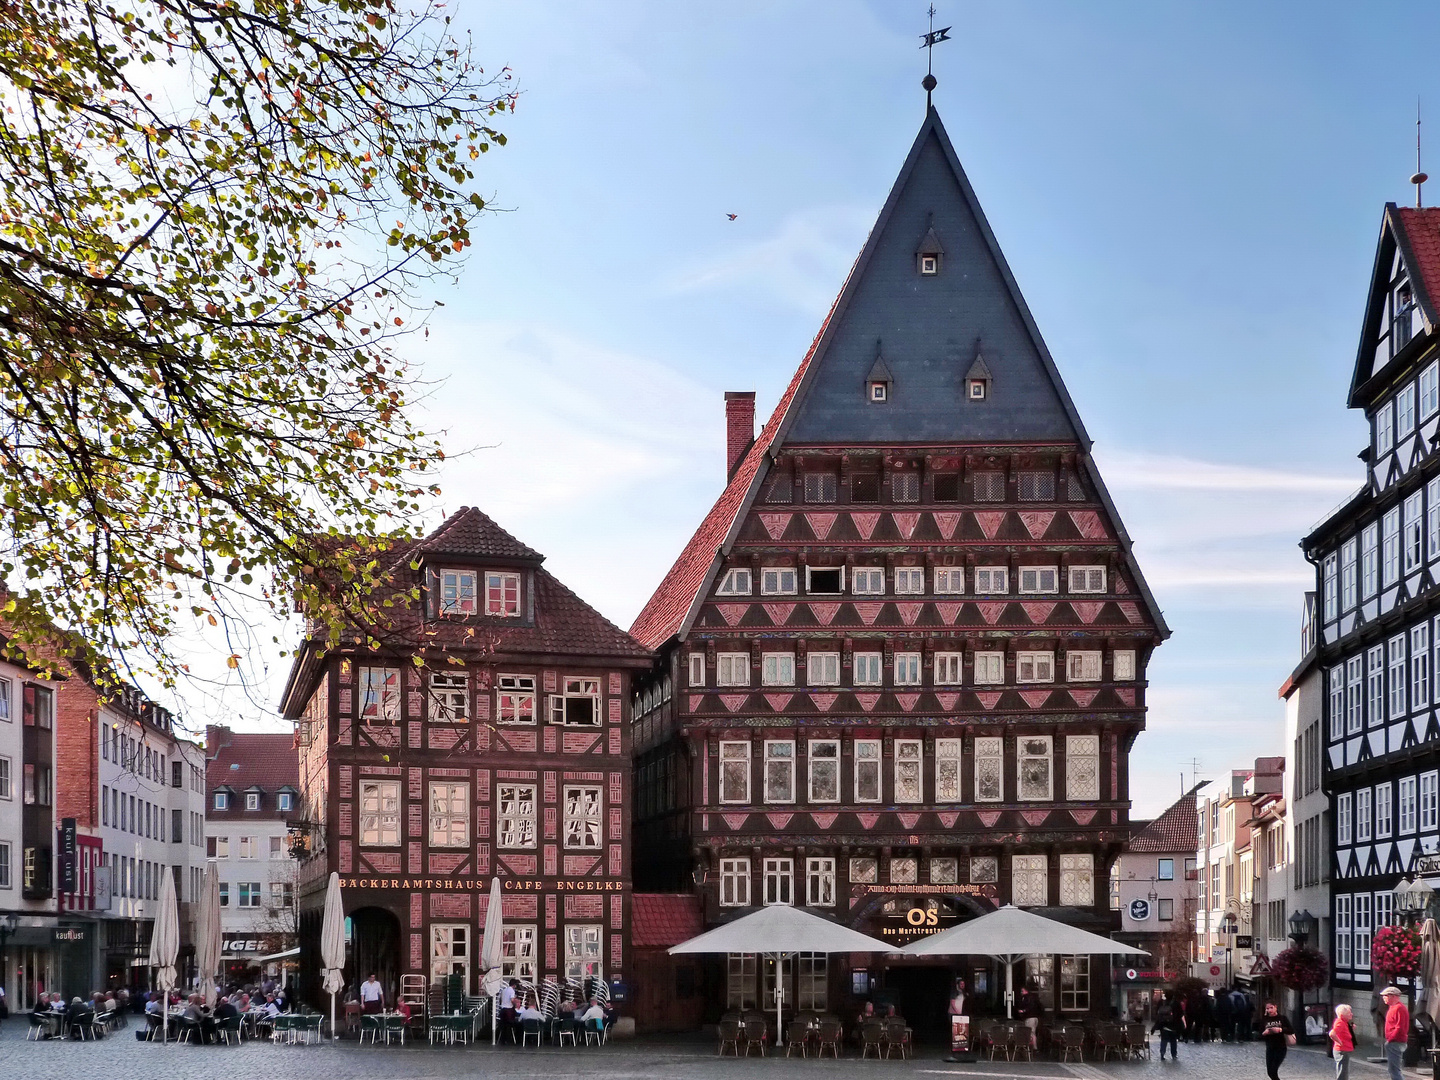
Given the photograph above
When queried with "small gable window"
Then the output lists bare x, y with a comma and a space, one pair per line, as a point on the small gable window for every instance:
877, 383
977, 380
929, 264
879, 391
929, 254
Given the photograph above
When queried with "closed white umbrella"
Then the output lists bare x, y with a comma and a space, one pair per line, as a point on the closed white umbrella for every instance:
165, 946
781, 931
490, 956
207, 935
332, 946
1009, 934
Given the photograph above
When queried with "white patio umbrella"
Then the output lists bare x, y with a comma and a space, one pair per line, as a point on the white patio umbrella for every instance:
207, 935
332, 946
490, 956
781, 931
165, 946
1009, 934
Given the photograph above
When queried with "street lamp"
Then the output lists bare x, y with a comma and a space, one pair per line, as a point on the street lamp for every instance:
1302, 923
1413, 898
1228, 926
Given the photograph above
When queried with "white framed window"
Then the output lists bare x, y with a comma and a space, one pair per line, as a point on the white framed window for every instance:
1375, 684
379, 695
779, 770
907, 669
867, 770
1028, 887
1074, 984
1349, 574
949, 580
1354, 680
457, 592
824, 580
778, 581
1413, 536
820, 882
1432, 518
1343, 804
515, 699
949, 668
1428, 822
1330, 574
379, 813
518, 956
502, 595
734, 882
864, 870
7, 716
248, 848
947, 769
909, 765
1364, 815
515, 820
249, 890
7, 782
1390, 547
7, 880
734, 772
1077, 880
1420, 664
777, 669
1430, 391
578, 705
813, 982
741, 981
869, 669
1342, 931
277, 848
1034, 767
1384, 808
867, 581
696, 664
779, 882
449, 697
584, 814
735, 582
1039, 579
1396, 651
822, 668
449, 814
583, 951
989, 668
252, 800
1035, 667
1122, 662
1082, 666
1362, 931
989, 768
1384, 427
732, 669
449, 952
218, 847
992, 580
1384, 909
1405, 411
1082, 767
909, 580
1434, 660
1369, 561
1407, 804
1087, 579
823, 760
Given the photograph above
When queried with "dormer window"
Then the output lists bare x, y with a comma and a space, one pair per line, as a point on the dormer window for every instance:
502, 595
929, 254
457, 592
252, 800
976, 389
929, 264
877, 383
878, 391
285, 800
222, 800
977, 380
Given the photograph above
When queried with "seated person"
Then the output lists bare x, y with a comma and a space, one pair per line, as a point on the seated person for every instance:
152, 1007
593, 1013
225, 1010
403, 1009
271, 1008
528, 1011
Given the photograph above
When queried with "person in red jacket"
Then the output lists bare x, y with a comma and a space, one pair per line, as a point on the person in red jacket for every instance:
1342, 1038
1397, 1030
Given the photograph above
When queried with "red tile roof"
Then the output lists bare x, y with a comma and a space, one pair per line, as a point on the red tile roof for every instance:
1177, 829
1422, 236
659, 920
664, 613
243, 759
473, 533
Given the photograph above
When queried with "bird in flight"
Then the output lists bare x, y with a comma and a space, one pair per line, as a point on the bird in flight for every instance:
732, 217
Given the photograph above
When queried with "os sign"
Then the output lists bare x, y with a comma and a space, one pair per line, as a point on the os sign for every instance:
919, 916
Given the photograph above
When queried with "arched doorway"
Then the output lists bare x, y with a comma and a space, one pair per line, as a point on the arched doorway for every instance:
375, 947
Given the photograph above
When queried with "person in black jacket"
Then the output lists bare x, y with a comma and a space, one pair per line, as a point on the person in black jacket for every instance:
1167, 1023
1279, 1036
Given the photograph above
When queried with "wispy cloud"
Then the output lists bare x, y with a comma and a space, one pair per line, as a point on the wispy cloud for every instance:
1127, 469
802, 263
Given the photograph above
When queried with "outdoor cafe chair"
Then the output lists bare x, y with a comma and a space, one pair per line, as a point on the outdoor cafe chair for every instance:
731, 1035
369, 1025
872, 1037
828, 1035
530, 1028
235, 1025
797, 1037
1072, 1041
1137, 1041
595, 1030
754, 1034
565, 1028
394, 1028
897, 1037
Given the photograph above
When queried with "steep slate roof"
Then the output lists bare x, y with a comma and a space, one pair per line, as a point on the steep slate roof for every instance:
1416, 232
659, 920
884, 298
1177, 829
243, 759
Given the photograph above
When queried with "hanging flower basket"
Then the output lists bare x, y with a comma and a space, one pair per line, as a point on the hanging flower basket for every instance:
1395, 952
1300, 968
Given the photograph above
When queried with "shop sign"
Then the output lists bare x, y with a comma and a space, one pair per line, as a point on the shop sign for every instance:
1428, 864
1140, 910
100, 876
1244, 941
265, 944
69, 935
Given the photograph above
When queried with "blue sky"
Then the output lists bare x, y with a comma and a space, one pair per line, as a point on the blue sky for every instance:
1189, 199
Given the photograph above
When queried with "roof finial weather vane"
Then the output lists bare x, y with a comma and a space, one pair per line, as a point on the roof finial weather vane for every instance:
930, 40
1419, 178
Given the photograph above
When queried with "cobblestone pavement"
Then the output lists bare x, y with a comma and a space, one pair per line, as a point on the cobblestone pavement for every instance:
647, 1058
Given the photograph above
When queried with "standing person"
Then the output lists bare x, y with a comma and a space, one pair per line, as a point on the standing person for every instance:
1030, 1010
1224, 1018
372, 995
1167, 1023
1242, 1012
1342, 1038
1397, 1030
959, 1001
1279, 1036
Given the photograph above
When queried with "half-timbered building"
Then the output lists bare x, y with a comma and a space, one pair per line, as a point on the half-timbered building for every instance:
902, 659
1377, 557
490, 738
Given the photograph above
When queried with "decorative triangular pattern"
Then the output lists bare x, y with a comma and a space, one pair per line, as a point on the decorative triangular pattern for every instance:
1131, 611
1088, 524
779, 821
948, 701
907, 701
823, 701
949, 611
867, 701
865, 524
867, 821
988, 701
1037, 522
909, 611
733, 702
1035, 698
778, 701
1083, 817
824, 613
775, 524
1088, 610
823, 821
734, 822
988, 818
991, 610
869, 611
906, 523
1034, 817
1083, 698
820, 524
732, 613
946, 523
1037, 610
948, 818
695, 701
779, 613
990, 522
908, 821
1126, 696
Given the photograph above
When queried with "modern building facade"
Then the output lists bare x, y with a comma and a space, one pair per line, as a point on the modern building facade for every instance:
252, 791
902, 660
490, 737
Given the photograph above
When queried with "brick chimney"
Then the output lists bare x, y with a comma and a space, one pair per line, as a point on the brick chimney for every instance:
739, 428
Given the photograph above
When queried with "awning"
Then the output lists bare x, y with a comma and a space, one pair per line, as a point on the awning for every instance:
279, 955
783, 929
1010, 933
